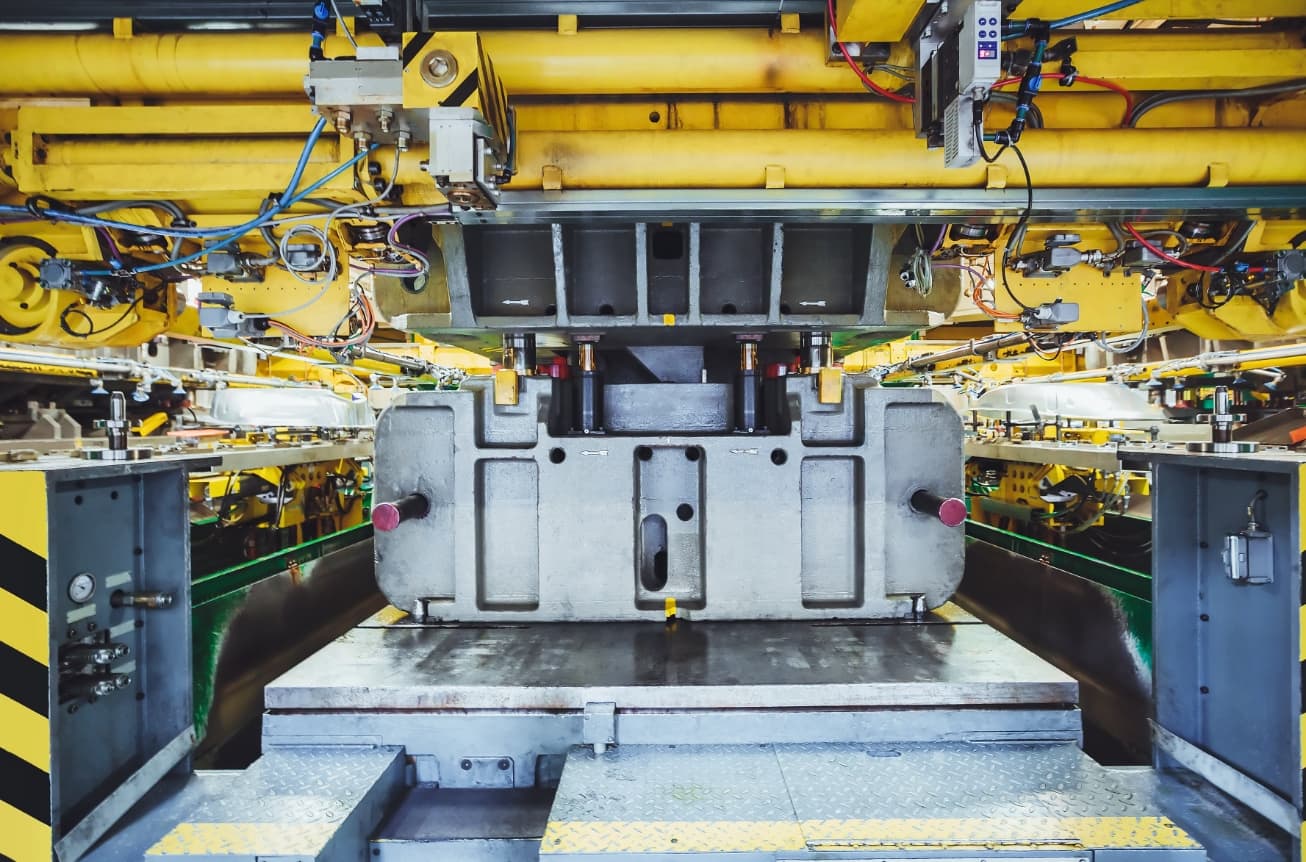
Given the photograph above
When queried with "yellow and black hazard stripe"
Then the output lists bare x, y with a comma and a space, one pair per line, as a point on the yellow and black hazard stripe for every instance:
25, 834
465, 83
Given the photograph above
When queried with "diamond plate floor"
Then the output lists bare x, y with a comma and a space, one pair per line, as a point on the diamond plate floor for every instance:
885, 799
318, 804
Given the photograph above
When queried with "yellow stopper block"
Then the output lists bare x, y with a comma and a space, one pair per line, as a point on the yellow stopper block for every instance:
829, 385
505, 387
670, 606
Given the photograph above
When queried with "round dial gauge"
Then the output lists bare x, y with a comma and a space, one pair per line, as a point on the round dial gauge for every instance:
81, 587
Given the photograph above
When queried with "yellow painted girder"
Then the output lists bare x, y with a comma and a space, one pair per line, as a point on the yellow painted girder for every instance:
257, 66
890, 20
869, 159
1179, 9
875, 20
100, 162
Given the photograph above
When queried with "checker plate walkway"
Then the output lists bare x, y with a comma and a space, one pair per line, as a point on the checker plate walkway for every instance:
779, 801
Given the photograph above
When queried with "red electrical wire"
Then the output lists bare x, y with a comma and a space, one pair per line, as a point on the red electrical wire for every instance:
861, 73
1096, 82
1161, 254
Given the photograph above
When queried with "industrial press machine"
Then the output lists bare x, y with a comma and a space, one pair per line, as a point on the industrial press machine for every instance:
677, 578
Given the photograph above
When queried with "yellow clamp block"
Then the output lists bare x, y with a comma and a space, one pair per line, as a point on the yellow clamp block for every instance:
151, 424
829, 386
670, 606
505, 387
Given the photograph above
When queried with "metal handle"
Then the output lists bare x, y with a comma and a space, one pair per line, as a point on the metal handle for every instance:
387, 516
951, 511
142, 601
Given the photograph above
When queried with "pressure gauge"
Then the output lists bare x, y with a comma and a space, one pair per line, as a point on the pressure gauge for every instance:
81, 587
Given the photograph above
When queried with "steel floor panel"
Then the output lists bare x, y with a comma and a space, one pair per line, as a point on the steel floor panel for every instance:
778, 801
434, 824
314, 804
716, 665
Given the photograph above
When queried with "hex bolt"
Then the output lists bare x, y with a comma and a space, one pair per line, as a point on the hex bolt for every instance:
466, 765
504, 764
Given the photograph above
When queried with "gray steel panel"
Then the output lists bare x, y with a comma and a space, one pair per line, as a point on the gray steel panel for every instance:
747, 508
157, 813
439, 741
883, 800
316, 804
125, 525
659, 784
872, 782
464, 825
768, 665
1221, 647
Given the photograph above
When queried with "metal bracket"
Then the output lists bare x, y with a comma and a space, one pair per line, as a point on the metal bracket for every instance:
481, 772
600, 726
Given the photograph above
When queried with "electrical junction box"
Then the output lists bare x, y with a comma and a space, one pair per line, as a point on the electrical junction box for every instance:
1249, 557
961, 59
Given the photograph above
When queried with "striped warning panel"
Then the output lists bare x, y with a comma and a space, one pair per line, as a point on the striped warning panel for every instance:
458, 54
24, 670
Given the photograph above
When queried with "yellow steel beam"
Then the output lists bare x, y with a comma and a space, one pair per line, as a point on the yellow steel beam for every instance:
598, 62
869, 159
875, 20
890, 20
1077, 108
101, 166
183, 151
1154, 9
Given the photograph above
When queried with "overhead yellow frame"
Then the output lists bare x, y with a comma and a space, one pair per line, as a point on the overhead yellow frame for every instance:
889, 20
595, 62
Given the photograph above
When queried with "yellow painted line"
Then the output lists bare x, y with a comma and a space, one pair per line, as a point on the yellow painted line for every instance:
1009, 832
667, 836
22, 837
24, 628
24, 733
745, 836
244, 839
23, 519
